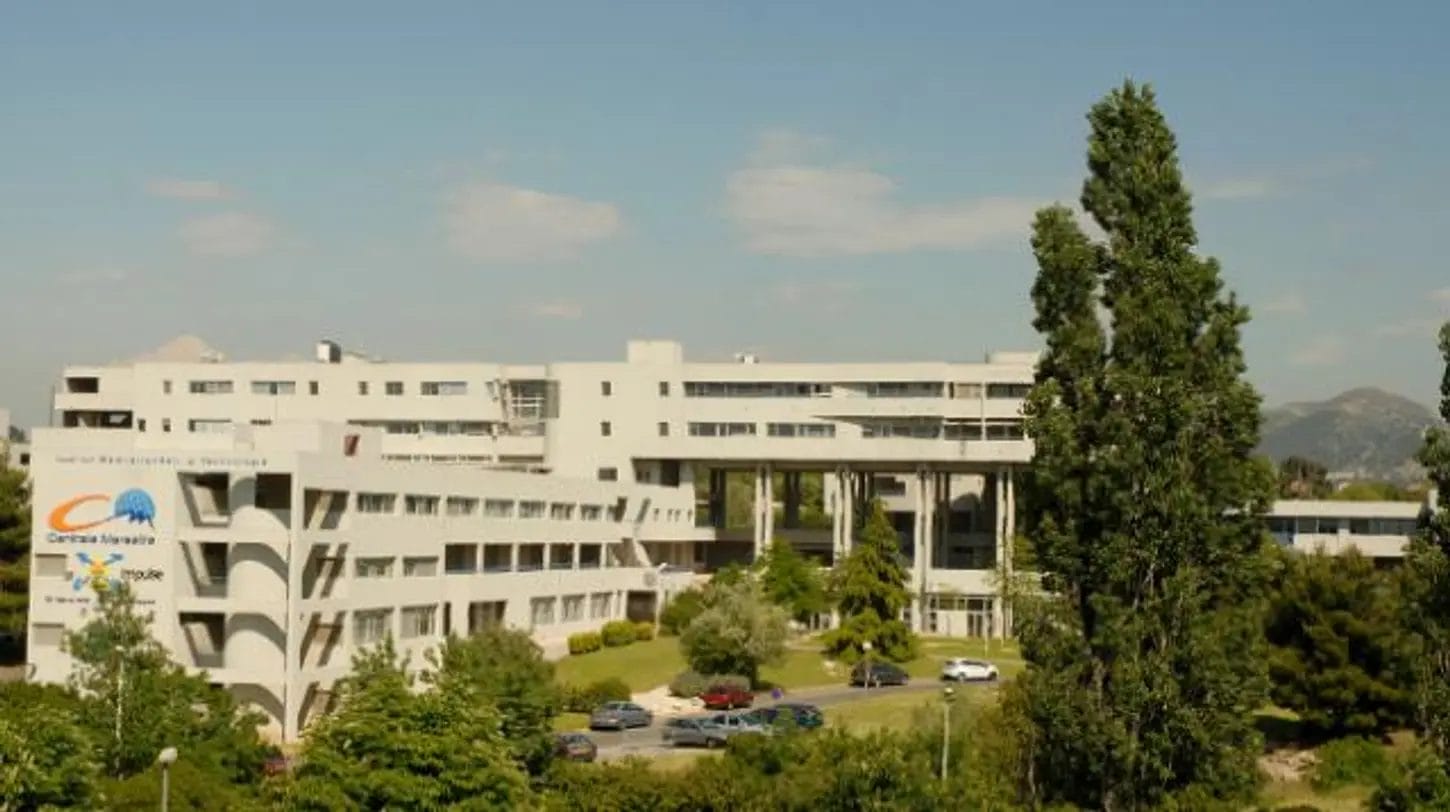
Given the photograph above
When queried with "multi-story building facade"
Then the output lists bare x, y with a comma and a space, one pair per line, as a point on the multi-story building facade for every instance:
269, 555
1378, 530
939, 442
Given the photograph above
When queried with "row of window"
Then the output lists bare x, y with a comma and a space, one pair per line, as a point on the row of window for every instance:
372, 625
918, 429
1325, 525
542, 611
883, 389
277, 388
428, 505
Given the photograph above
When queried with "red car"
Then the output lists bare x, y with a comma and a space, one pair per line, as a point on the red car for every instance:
725, 697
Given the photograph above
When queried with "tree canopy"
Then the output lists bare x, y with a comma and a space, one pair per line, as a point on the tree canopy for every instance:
870, 588
738, 631
1145, 498
791, 581
1303, 478
14, 548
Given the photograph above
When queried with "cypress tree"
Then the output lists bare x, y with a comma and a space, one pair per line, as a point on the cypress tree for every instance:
1145, 498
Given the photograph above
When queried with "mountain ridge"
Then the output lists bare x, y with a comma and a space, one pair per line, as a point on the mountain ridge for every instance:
1365, 432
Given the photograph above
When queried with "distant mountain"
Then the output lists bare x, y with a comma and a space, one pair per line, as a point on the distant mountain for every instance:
1370, 433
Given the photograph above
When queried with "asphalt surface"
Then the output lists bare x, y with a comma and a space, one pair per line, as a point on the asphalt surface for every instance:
646, 741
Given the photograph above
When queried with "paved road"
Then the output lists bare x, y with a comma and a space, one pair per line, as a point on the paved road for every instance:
647, 741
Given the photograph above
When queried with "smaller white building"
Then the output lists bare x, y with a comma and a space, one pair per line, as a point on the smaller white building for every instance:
269, 555
1379, 530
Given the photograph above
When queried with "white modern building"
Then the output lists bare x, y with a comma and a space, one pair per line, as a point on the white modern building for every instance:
269, 555
940, 442
1378, 530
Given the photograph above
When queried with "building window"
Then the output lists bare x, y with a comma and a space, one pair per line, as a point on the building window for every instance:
416, 505
166, 387
374, 567
393, 387
967, 391
141, 424
800, 430
1008, 390
462, 506
362, 387
210, 387
599, 605
312, 387
605, 429
591, 513
420, 567
561, 511
573, 608
371, 626
444, 388
376, 502
541, 611
208, 426
166, 424
664, 389
606, 388
531, 510
755, 389
664, 429
419, 621
608, 474
722, 429
498, 508
274, 387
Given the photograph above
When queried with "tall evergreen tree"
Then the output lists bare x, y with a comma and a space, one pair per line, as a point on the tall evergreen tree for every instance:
1427, 581
14, 547
1146, 502
792, 581
870, 590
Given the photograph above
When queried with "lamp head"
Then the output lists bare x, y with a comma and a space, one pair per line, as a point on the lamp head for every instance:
167, 757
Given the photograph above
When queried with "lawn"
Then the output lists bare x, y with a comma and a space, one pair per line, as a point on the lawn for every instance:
896, 710
566, 722
653, 663
644, 665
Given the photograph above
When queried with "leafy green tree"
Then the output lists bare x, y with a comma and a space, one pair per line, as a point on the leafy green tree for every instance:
870, 590
683, 608
1337, 654
1372, 491
1303, 478
739, 631
791, 581
1145, 500
1427, 583
47, 756
14, 547
506, 669
388, 746
161, 705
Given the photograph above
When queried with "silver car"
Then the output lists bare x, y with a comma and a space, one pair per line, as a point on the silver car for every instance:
619, 715
695, 731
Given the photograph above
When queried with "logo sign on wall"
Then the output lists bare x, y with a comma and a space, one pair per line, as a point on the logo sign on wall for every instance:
102, 572
80, 519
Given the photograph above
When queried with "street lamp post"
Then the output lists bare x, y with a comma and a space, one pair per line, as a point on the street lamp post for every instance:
946, 728
166, 759
120, 699
866, 647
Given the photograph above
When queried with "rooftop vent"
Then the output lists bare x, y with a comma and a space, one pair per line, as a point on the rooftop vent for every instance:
329, 352
746, 358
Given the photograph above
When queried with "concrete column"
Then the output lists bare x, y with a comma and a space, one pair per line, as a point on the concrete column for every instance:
921, 547
944, 515
767, 514
848, 510
999, 526
757, 524
1009, 566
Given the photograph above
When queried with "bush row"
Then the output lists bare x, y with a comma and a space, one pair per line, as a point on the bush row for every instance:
615, 633
585, 698
690, 683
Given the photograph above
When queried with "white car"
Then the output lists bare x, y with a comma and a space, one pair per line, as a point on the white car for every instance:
960, 669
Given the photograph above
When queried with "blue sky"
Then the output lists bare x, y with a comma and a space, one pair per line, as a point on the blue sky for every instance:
840, 180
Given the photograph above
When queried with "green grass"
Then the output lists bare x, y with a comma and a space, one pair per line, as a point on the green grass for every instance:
566, 722
1289, 793
895, 710
645, 665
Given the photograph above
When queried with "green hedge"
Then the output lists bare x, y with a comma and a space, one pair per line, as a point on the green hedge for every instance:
618, 633
689, 684
584, 699
585, 642
644, 630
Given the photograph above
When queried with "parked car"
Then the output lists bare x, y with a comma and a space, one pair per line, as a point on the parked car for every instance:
694, 732
878, 674
735, 723
961, 669
575, 747
619, 715
726, 697
798, 714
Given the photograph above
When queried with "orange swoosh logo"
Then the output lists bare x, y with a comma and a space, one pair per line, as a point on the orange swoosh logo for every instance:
59, 518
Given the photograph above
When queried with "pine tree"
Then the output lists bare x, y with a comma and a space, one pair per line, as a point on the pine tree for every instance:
871, 593
1145, 500
791, 581
14, 547
1427, 582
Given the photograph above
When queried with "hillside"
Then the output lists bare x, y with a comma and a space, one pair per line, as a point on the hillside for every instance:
1369, 432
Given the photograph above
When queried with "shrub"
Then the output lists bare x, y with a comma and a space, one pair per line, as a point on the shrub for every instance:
681, 609
618, 633
585, 642
1353, 760
644, 631
691, 683
584, 699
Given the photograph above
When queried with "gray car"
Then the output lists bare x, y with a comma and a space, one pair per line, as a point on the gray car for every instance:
619, 715
709, 731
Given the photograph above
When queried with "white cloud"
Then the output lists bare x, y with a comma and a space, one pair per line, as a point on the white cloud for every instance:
786, 206
1320, 351
181, 189
1240, 189
228, 235
1288, 304
499, 223
562, 310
